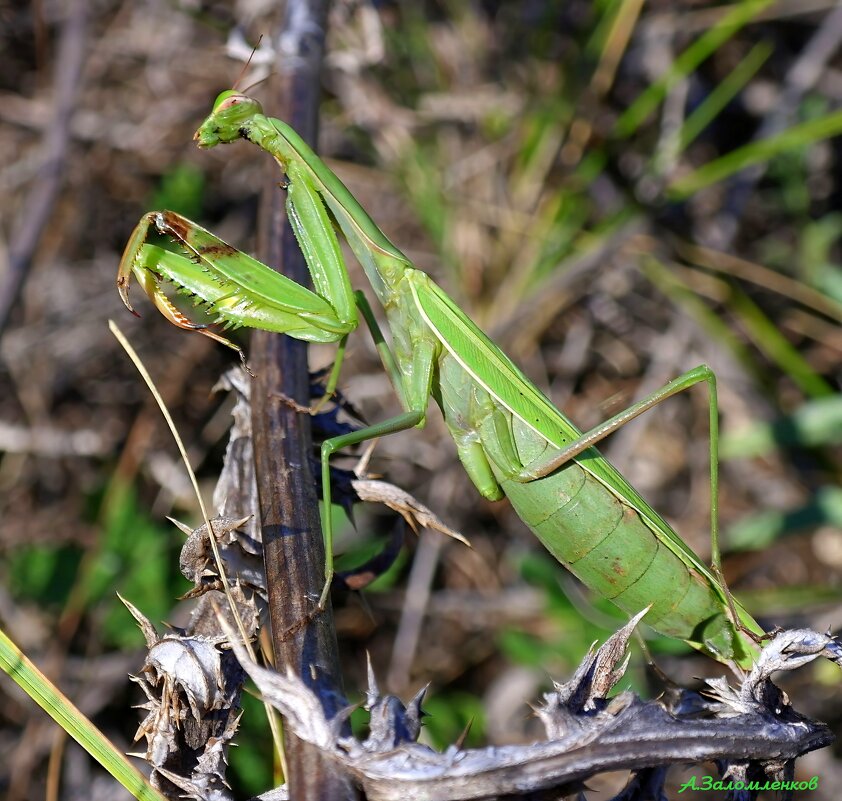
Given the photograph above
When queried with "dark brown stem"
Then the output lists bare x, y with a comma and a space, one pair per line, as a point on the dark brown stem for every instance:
302, 638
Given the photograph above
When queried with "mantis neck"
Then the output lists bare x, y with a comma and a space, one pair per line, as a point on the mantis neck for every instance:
383, 263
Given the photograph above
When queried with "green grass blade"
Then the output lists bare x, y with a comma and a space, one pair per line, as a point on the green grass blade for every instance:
595, 46
709, 42
668, 281
768, 339
755, 152
41, 690
723, 94
762, 331
610, 39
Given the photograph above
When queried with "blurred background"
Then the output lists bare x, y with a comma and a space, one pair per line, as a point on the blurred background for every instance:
615, 191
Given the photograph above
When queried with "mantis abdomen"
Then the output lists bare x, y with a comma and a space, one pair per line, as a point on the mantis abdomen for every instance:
600, 537
607, 545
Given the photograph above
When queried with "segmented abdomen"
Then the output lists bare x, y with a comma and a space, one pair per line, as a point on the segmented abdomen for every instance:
611, 549
599, 537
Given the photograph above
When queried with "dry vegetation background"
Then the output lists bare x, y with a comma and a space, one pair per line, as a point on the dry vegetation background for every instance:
483, 138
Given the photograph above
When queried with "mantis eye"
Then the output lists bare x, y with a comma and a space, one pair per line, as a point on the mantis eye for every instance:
223, 98
234, 100
229, 100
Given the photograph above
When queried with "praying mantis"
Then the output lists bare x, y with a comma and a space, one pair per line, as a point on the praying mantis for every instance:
511, 440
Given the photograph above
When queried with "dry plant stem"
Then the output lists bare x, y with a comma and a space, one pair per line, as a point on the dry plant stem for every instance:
292, 539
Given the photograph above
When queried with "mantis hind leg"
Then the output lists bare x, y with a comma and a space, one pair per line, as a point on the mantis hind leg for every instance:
701, 374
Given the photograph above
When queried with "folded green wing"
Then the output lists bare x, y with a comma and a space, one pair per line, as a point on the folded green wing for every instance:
498, 375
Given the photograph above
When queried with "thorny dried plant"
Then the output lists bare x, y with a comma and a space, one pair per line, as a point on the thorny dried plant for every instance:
751, 731
193, 678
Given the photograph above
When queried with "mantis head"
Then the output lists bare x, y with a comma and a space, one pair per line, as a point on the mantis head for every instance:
231, 111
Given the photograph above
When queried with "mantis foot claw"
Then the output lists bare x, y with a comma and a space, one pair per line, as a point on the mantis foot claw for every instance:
300, 407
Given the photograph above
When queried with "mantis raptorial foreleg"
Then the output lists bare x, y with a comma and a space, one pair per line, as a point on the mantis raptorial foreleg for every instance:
510, 438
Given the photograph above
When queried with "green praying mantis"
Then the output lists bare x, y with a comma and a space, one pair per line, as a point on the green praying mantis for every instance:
510, 438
